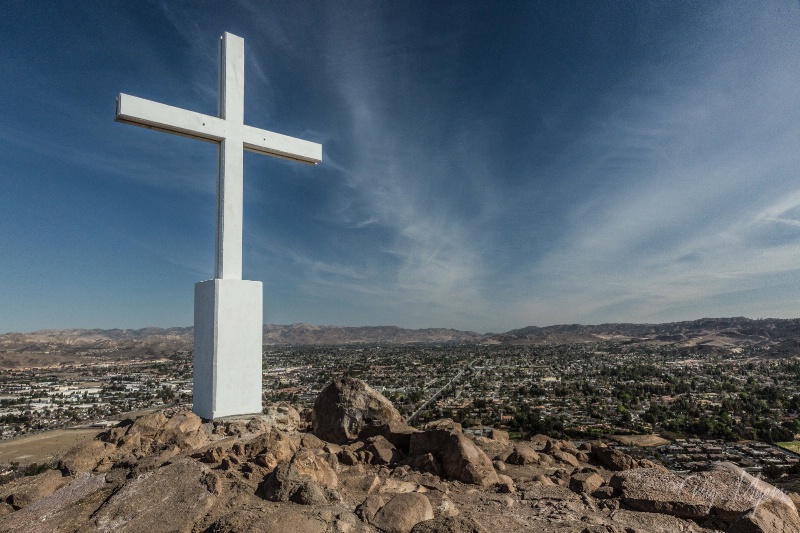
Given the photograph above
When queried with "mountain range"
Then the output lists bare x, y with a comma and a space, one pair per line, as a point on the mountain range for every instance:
782, 336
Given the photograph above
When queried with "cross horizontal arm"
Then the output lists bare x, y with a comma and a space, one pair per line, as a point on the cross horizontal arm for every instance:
162, 117
269, 143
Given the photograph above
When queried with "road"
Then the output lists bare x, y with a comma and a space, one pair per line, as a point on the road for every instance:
436, 394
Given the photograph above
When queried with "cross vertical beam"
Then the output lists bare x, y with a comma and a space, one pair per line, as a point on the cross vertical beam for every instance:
230, 184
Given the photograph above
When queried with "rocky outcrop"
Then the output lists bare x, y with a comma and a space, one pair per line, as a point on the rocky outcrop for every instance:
167, 472
459, 457
403, 512
286, 484
585, 482
768, 517
85, 458
613, 459
66, 510
186, 486
346, 406
726, 493
523, 454
26, 490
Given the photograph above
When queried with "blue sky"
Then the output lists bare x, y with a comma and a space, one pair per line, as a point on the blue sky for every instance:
485, 166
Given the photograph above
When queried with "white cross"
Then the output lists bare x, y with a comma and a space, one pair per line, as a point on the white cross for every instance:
233, 136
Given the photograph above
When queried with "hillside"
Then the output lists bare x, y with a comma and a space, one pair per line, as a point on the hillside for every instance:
70, 346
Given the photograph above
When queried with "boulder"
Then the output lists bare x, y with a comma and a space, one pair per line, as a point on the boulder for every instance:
345, 406
286, 484
383, 451
492, 448
450, 524
184, 430
283, 417
403, 512
26, 490
85, 457
65, 510
654, 491
309, 464
523, 454
166, 499
442, 505
586, 482
499, 435
604, 493
267, 449
613, 459
370, 507
566, 457
117, 433
311, 441
424, 463
768, 517
348, 458
733, 493
148, 425
506, 484
458, 456
395, 431
726, 493
444, 423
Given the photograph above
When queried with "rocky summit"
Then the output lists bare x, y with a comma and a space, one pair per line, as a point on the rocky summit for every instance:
358, 467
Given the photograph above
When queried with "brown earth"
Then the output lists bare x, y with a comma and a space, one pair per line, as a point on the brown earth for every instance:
43, 447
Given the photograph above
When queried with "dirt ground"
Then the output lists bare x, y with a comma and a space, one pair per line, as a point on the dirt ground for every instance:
43, 447
639, 440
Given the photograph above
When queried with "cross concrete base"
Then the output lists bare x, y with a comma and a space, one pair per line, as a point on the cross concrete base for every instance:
227, 348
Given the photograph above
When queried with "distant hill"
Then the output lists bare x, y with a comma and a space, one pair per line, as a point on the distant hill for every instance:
54, 347
303, 334
716, 331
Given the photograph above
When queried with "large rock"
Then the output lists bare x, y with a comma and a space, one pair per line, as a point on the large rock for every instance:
395, 431
383, 452
148, 425
613, 459
654, 491
184, 430
309, 464
500, 436
726, 493
492, 448
85, 457
286, 484
523, 454
403, 512
24, 491
273, 448
587, 482
346, 406
283, 417
170, 498
768, 517
737, 497
64, 511
459, 457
